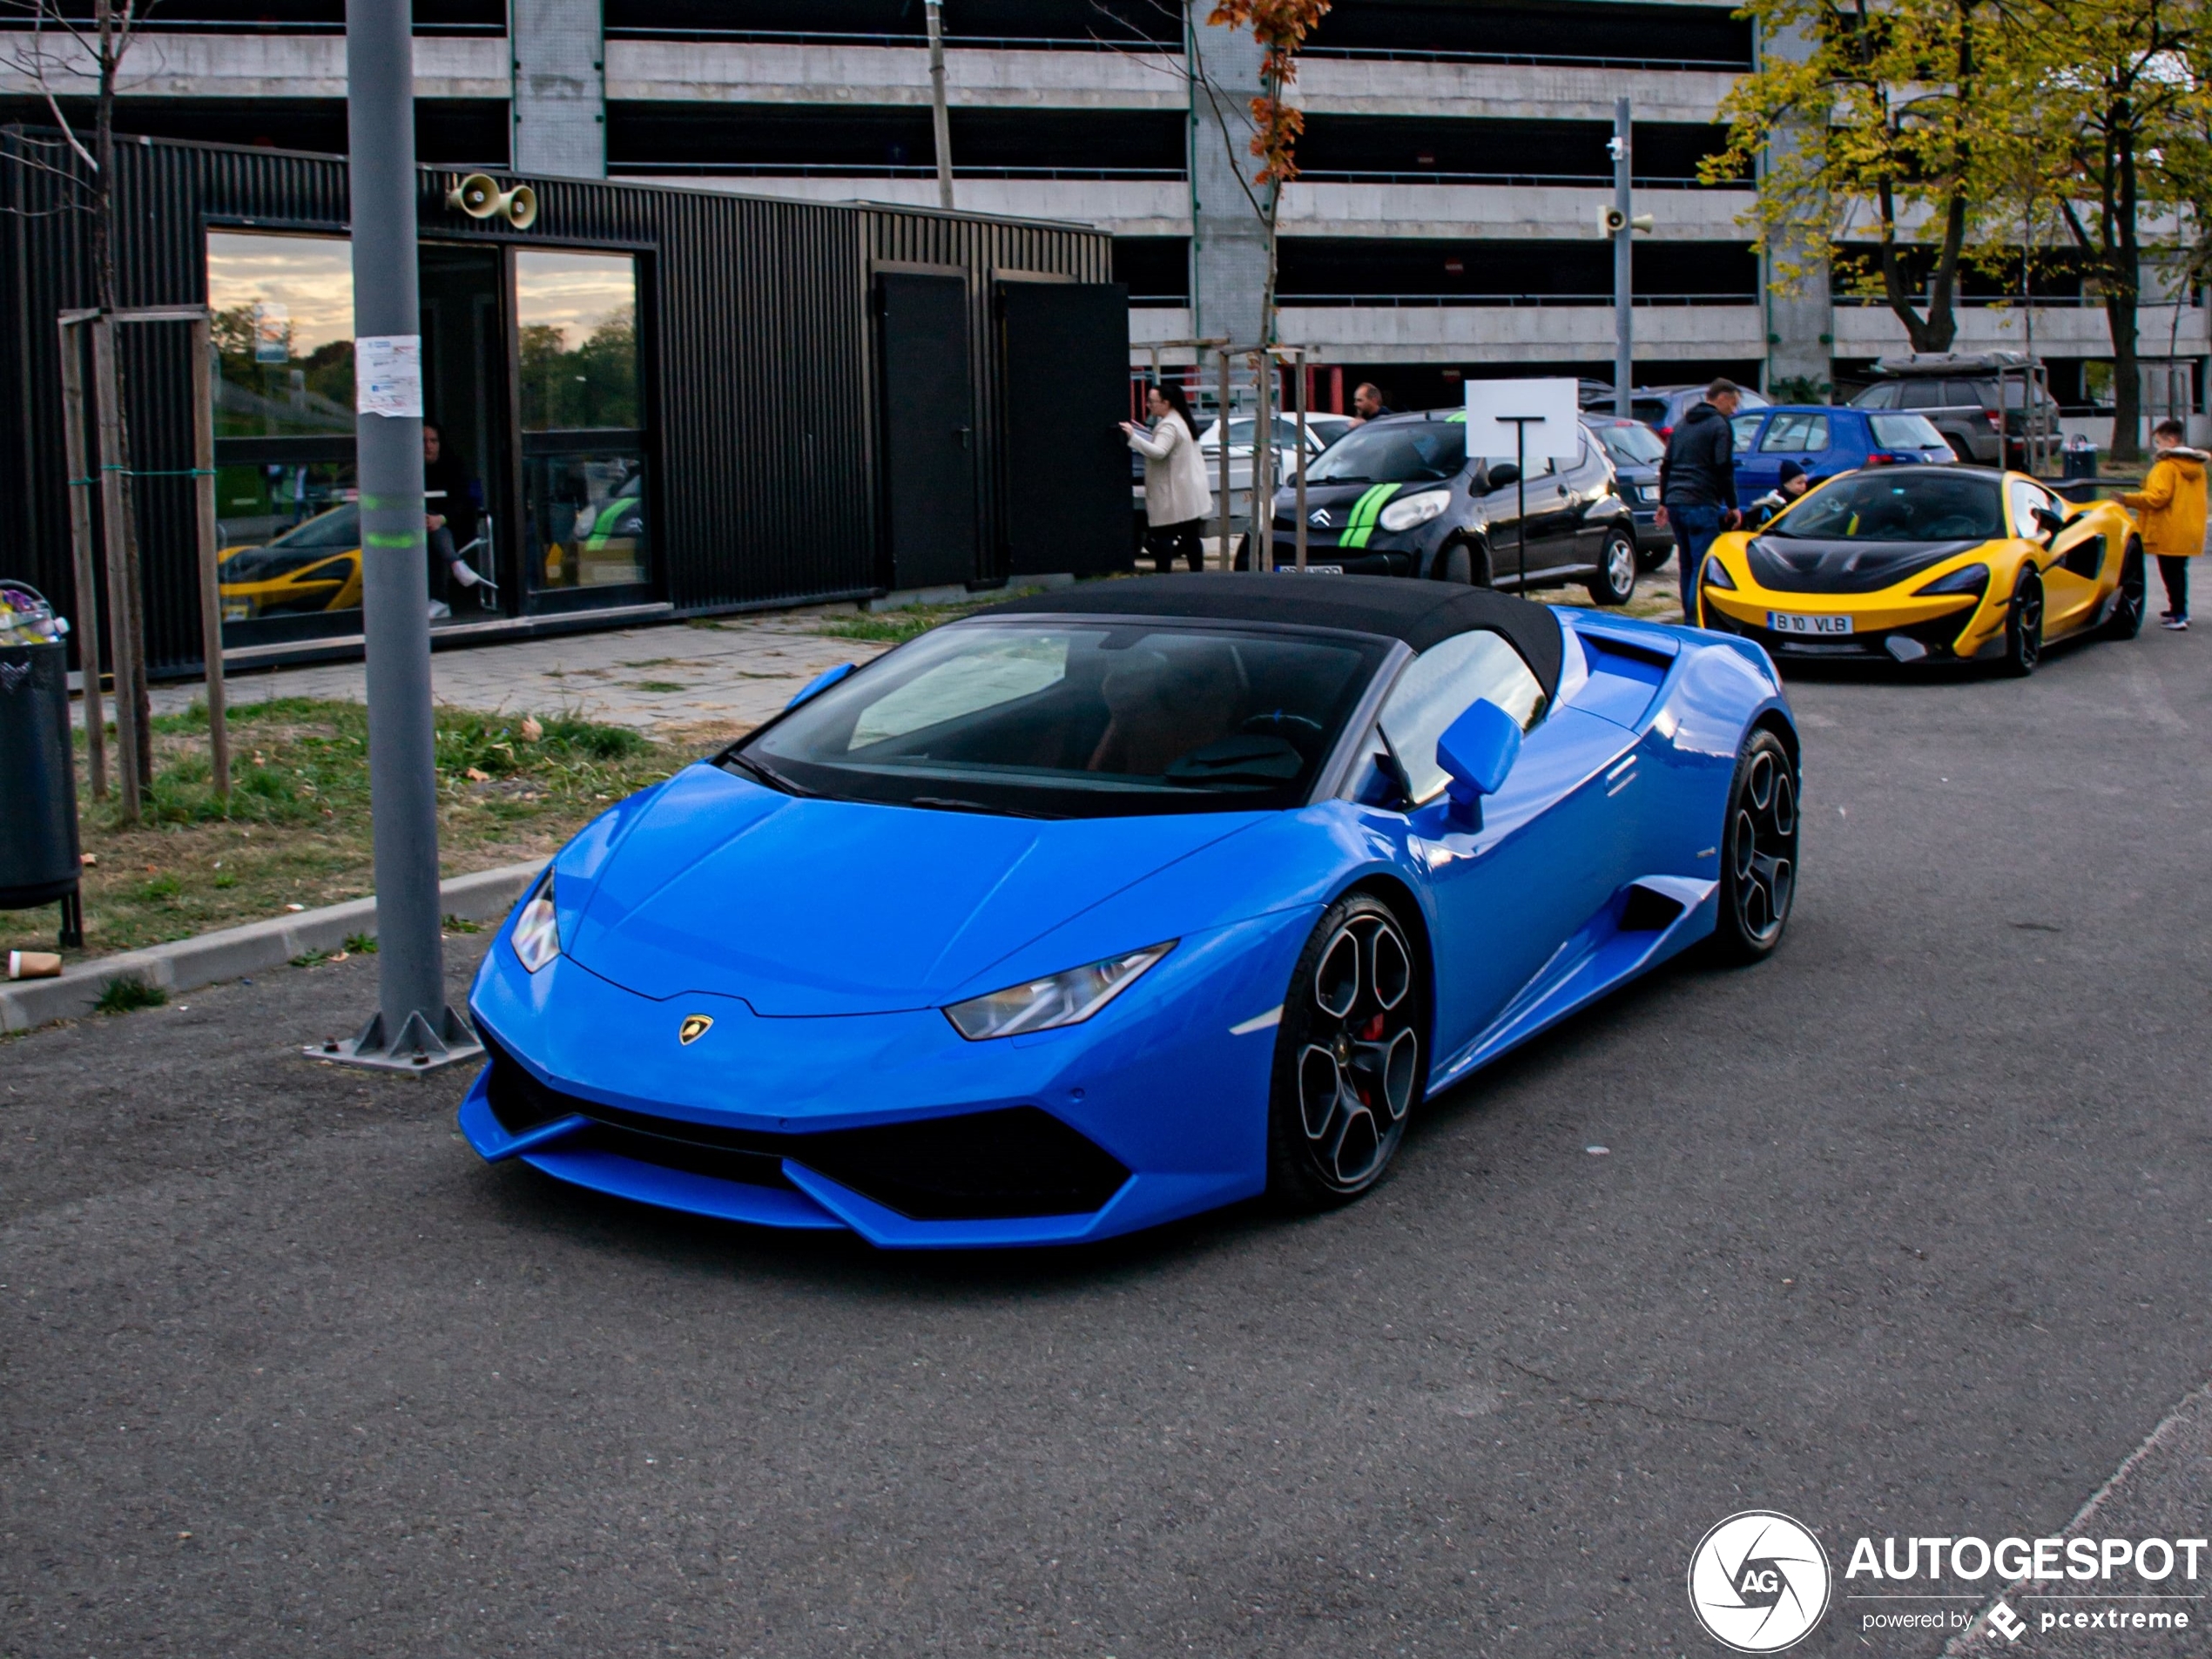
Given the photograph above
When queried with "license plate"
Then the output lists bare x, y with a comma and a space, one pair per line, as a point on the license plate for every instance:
1311, 569
1783, 622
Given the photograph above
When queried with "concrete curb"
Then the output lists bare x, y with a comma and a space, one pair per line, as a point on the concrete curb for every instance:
189, 963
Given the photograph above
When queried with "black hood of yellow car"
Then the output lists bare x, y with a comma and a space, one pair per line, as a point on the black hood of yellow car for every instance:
1785, 565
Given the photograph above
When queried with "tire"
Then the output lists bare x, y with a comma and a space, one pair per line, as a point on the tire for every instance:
1350, 1060
1455, 562
2024, 626
2130, 602
1961, 448
1758, 851
1614, 583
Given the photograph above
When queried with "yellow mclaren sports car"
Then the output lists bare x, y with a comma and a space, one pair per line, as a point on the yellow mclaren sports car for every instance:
315, 565
1919, 564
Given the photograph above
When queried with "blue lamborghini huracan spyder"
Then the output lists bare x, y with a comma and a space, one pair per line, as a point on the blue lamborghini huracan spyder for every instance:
1114, 904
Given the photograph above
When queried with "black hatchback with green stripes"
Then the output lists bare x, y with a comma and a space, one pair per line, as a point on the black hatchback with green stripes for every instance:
1401, 496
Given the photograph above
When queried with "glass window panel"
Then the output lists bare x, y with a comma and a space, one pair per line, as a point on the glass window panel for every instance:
576, 314
1443, 683
284, 335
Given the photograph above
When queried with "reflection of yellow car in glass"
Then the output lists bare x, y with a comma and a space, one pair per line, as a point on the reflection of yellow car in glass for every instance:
1915, 564
312, 566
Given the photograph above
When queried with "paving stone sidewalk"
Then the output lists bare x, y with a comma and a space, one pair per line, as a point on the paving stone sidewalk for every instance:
733, 672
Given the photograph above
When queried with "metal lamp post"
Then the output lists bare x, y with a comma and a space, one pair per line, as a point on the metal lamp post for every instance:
413, 1028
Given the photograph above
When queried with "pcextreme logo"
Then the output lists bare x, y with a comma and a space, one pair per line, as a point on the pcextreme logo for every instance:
1758, 1581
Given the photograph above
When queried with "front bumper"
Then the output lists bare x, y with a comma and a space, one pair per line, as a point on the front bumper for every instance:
1350, 561
1940, 628
891, 1125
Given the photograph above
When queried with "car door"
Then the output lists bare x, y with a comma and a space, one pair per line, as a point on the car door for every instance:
2072, 562
1546, 856
1500, 510
1588, 485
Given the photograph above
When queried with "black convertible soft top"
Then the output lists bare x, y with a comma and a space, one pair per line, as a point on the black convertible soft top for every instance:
1420, 613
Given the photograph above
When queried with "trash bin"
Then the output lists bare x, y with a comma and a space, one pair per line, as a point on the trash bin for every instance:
2081, 458
39, 850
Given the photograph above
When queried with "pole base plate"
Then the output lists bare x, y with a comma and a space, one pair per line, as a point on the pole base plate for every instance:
417, 1048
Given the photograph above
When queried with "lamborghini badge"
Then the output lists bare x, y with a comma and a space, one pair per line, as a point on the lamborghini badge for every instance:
694, 1027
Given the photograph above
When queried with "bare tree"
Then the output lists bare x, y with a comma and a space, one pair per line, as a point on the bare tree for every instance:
70, 52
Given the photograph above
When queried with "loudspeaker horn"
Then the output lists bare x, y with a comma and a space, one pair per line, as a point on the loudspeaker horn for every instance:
479, 196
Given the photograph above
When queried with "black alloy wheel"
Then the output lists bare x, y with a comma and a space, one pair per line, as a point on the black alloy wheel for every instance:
1350, 1060
2128, 601
2024, 625
1758, 851
1614, 583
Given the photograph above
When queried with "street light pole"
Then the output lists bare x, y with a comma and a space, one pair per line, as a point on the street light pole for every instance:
413, 1028
940, 122
1623, 262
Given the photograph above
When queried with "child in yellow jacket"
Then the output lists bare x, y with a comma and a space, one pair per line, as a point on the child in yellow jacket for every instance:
2171, 510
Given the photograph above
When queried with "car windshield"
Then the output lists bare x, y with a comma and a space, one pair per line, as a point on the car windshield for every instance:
1887, 506
1044, 718
1636, 445
1409, 452
1906, 432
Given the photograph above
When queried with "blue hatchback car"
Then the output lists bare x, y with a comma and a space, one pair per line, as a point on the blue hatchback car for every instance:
1825, 441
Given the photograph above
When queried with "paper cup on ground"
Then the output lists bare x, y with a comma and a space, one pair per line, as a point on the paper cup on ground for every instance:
34, 964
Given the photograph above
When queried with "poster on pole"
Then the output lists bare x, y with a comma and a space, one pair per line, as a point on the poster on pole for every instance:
1546, 411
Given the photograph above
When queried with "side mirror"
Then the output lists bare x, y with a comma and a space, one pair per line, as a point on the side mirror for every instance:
1505, 475
1476, 751
820, 682
2050, 520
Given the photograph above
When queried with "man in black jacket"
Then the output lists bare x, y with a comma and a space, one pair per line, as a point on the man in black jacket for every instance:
1697, 484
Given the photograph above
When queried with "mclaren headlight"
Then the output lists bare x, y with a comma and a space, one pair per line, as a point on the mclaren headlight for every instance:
1716, 574
1967, 578
536, 936
1409, 511
1068, 998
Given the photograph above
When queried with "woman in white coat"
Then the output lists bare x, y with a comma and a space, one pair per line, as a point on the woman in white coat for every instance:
1176, 500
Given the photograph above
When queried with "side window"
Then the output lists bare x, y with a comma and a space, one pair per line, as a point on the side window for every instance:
1880, 397
2025, 499
1923, 394
1745, 428
1788, 432
1441, 684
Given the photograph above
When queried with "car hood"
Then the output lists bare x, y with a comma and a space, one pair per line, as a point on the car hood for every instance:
1786, 565
807, 907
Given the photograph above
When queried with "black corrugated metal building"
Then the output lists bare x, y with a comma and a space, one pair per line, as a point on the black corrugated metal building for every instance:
657, 402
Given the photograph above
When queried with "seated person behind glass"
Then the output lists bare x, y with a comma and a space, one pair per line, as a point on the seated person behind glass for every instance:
451, 518
1795, 482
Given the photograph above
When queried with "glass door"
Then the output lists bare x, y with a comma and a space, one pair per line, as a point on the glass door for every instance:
585, 534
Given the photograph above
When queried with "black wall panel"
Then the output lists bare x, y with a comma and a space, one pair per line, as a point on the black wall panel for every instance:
759, 356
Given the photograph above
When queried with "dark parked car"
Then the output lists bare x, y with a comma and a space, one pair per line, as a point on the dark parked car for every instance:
1401, 496
1635, 452
1658, 407
1958, 394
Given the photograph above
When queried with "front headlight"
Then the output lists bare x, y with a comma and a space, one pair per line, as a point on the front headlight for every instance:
1409, 511
1716, 574
1967, 578
536, 937
1058, 999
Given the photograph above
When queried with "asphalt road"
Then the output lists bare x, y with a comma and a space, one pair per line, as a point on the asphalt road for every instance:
1902, 1233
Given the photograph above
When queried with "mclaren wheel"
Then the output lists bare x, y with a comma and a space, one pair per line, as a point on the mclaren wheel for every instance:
2024, 626
1758, 851
2127, 603
1614, 581
1350, 1057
